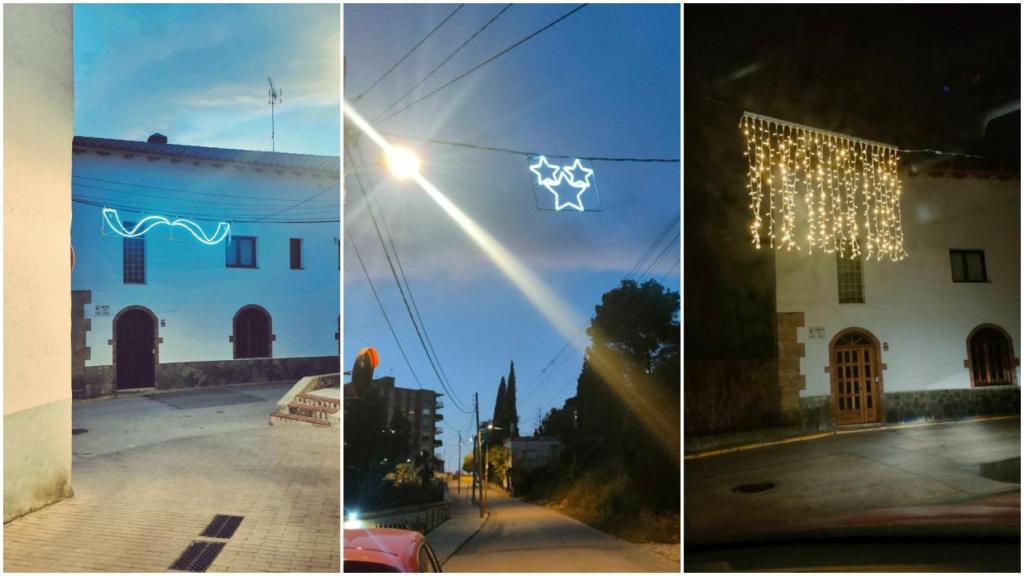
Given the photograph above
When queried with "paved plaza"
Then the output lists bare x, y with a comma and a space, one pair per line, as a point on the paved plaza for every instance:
152, 471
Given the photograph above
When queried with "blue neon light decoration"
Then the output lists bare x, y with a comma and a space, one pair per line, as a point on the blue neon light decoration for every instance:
575, 174
111, 217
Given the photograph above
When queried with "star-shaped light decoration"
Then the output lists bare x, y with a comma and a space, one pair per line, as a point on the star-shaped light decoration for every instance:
575, 175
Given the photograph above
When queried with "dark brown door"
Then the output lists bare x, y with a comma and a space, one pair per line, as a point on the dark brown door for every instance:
252, 334
991, 359
136, 355
855, 380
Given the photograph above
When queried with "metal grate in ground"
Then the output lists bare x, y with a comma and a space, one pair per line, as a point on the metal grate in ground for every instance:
222, 526
198, 556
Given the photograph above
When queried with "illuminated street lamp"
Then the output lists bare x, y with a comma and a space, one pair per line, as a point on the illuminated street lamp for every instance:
403, 163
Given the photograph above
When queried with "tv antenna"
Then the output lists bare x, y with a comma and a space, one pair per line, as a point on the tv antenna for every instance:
273, 98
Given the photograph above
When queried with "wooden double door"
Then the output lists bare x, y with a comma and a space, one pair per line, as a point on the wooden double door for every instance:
856, 379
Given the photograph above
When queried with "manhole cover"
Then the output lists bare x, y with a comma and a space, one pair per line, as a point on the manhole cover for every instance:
753, 487
77, 431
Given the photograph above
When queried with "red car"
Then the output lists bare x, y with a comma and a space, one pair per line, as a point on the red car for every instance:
388, 550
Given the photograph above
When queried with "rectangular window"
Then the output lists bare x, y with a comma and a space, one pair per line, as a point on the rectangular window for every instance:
241, 252
295, 248
968, 265
851, 280
134, 258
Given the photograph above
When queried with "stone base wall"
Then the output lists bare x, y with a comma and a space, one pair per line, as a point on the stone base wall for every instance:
922, 406
80, 325
99, 380
951, 404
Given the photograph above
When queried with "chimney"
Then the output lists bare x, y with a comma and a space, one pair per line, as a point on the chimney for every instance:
157, 138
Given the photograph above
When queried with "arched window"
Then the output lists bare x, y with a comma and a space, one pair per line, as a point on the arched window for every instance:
252, 332
990, 356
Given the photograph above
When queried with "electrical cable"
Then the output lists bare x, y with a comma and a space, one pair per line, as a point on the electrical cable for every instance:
380, 304
178, 190
443, 62
371, 203
409, 53
528, 153
203, 218
485, 62
405, 300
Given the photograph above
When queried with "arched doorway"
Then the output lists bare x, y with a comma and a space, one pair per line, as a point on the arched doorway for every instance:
990, 356
135, 348
252, 332
856, 372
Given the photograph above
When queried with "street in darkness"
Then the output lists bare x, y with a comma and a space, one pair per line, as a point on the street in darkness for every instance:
827, 478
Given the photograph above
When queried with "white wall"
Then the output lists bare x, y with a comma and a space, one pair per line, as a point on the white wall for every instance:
914, 305
188, 286
38, 104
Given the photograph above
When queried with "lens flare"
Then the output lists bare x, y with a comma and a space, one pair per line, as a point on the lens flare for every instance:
648, 405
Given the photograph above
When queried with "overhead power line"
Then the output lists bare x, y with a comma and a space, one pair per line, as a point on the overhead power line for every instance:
560, 359
518, 43
177, 190
409, 53
85, 200
371, 202
380, 305
405, 300
443, 62
517, 152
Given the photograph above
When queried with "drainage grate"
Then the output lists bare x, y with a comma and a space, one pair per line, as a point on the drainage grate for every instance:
222, 526
753, 487
76, 431
198, 556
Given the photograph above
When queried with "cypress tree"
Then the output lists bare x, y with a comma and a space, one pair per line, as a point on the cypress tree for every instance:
512, 413
499, 405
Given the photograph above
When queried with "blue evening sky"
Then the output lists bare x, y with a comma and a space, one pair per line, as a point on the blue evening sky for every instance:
198, 74
604, 82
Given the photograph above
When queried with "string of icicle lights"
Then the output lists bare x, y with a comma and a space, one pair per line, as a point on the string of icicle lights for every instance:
837, 193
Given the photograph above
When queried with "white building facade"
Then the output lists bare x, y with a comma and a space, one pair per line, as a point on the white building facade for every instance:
180, 307
934, 336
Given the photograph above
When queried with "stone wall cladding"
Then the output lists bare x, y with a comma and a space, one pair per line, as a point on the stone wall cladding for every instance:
816, 414
791, 382
80, 326
922, 406
99, 380
928, 405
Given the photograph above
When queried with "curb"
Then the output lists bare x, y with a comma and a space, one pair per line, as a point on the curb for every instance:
468, 538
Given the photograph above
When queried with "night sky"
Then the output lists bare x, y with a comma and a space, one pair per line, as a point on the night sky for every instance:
604, 82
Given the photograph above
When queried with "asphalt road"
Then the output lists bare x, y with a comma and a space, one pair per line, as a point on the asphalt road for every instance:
845, 474
524, 537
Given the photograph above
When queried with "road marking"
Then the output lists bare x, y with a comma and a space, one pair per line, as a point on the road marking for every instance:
745, 447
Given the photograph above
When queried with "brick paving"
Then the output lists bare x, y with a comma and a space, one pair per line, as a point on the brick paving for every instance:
137, 509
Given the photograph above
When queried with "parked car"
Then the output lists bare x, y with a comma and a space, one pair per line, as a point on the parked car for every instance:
388, 550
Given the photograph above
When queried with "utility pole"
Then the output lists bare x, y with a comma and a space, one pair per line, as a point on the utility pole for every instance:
273, 98
458, 470
479, 459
